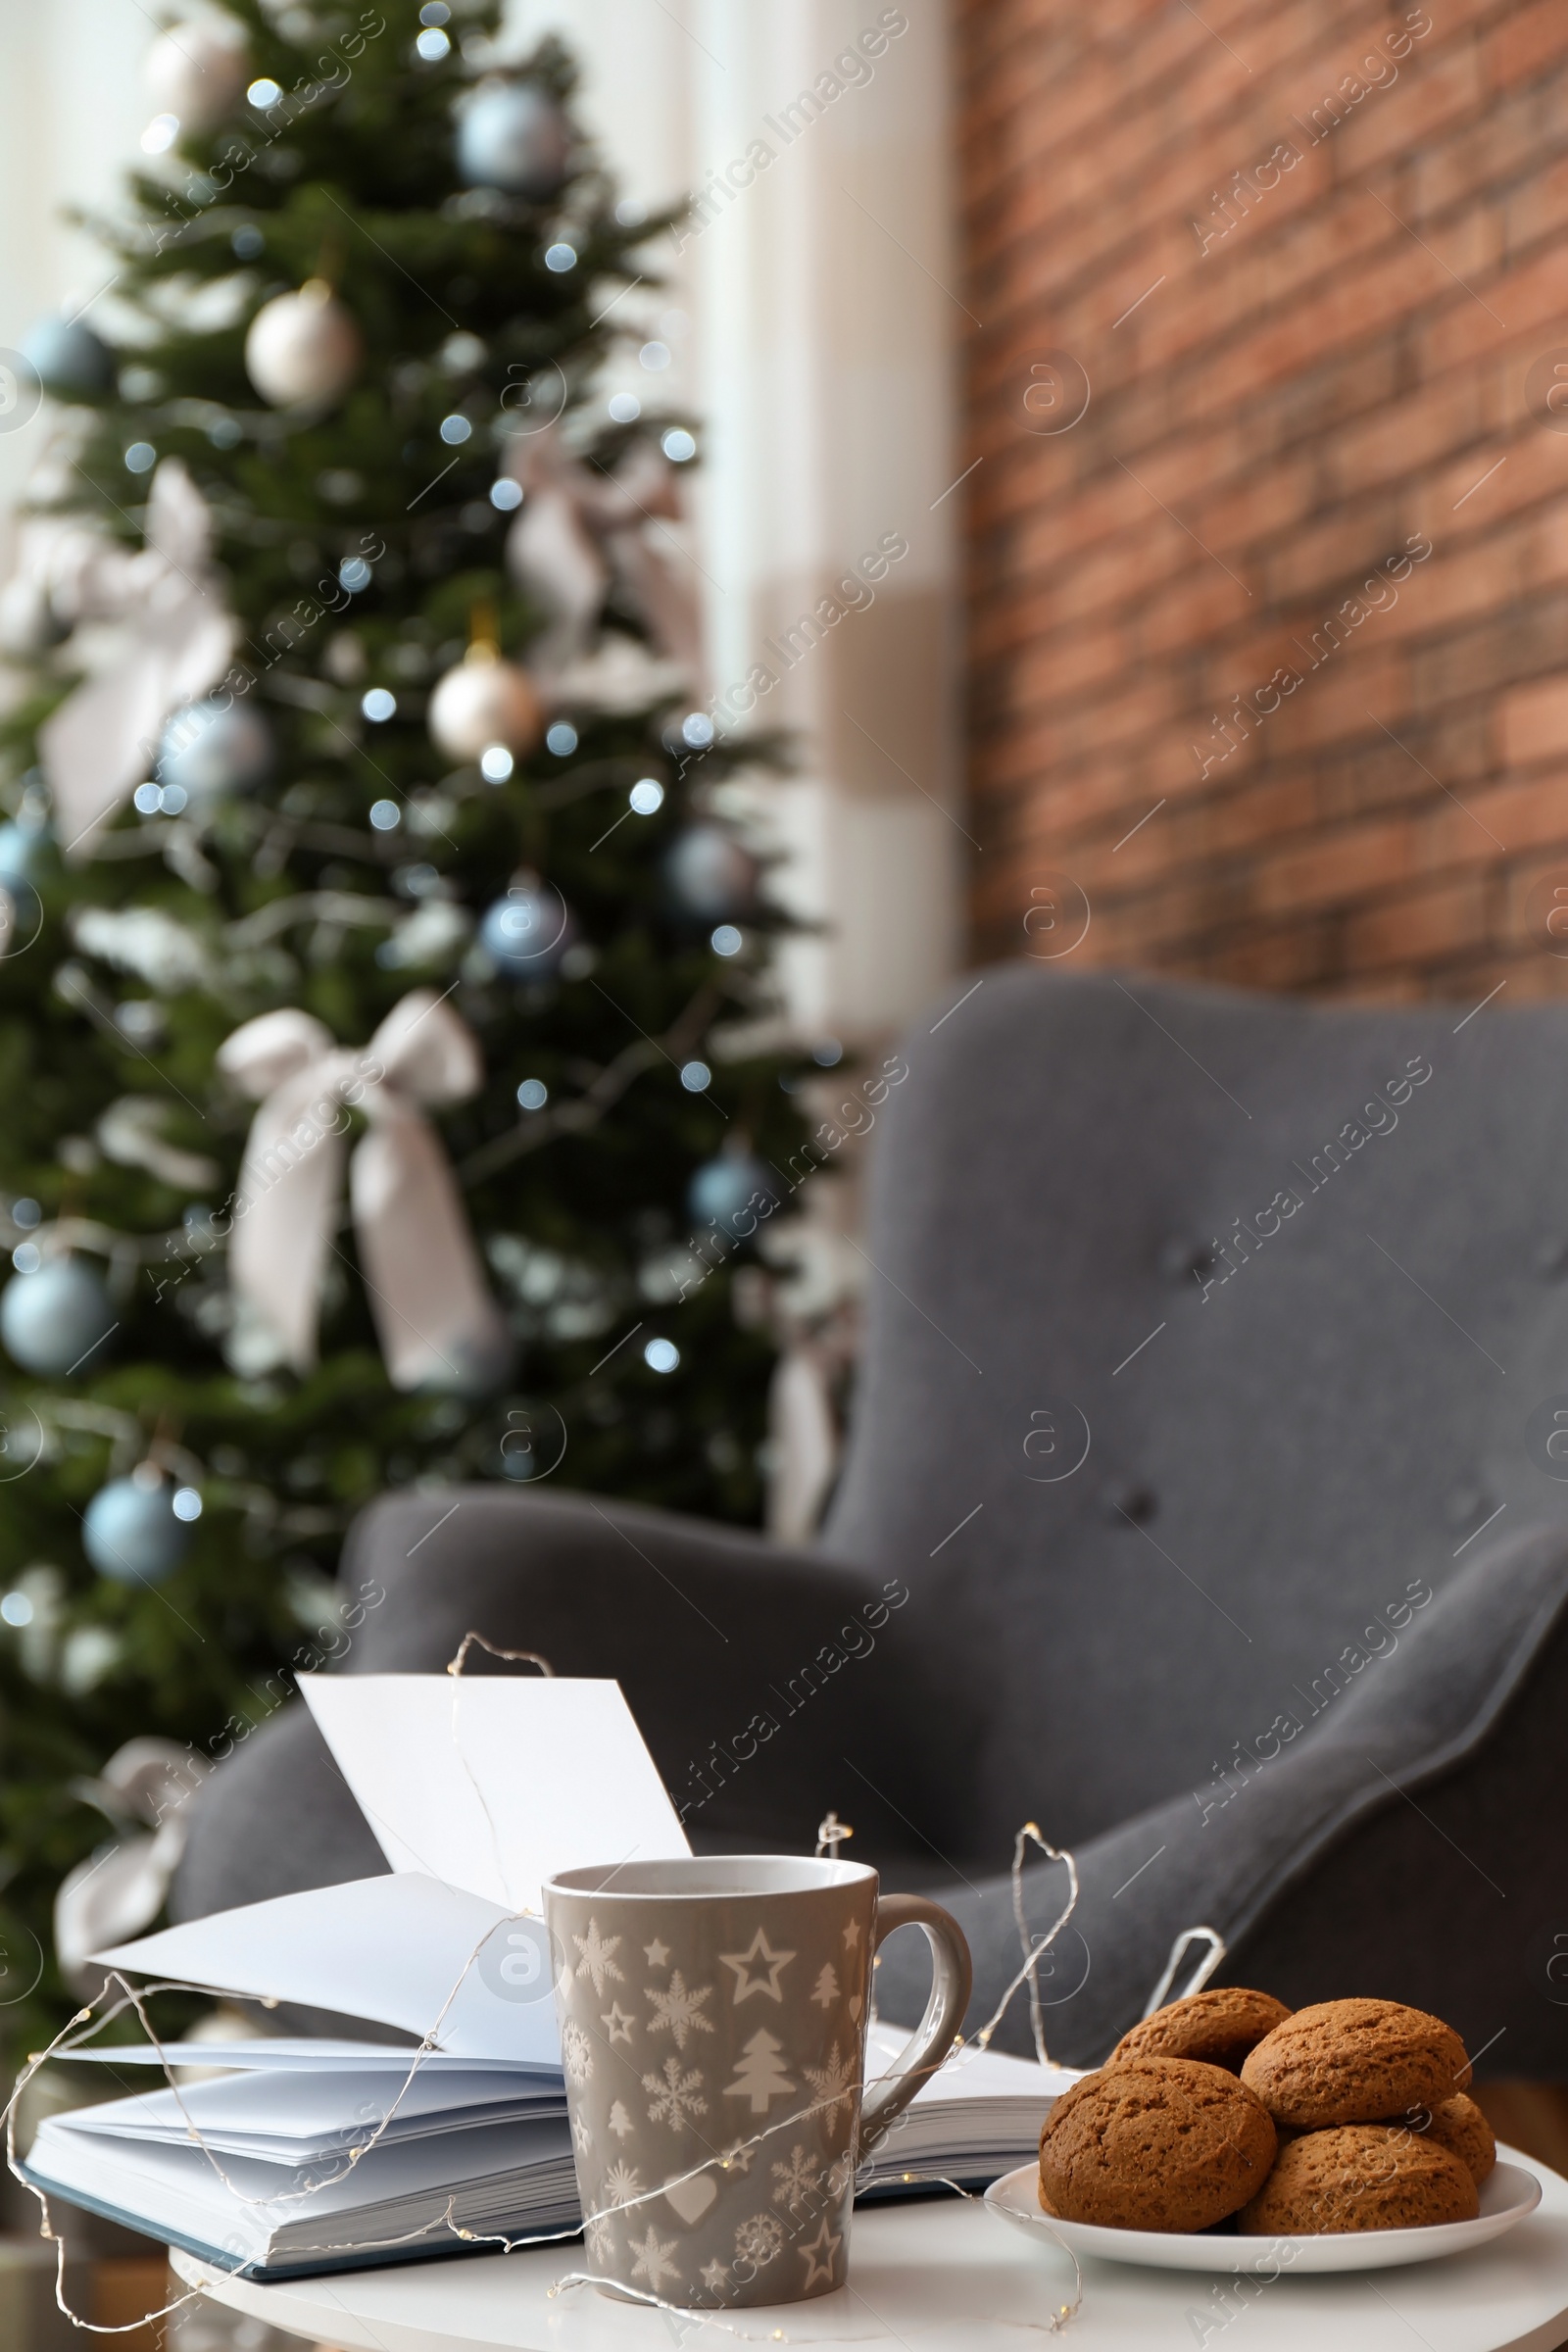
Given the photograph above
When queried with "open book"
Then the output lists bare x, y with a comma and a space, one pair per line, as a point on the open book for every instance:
319, 2155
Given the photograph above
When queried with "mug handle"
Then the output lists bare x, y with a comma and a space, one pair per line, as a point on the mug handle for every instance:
952, 1980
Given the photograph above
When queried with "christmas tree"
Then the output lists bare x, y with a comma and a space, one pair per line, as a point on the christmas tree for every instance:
358, 808
759, 2074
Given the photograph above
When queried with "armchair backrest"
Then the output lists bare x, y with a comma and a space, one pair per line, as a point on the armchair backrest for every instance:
1206, 1332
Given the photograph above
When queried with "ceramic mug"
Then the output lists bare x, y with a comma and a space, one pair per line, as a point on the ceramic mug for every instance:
712, 2033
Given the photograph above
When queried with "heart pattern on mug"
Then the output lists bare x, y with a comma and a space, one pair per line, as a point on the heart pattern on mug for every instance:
691, 2198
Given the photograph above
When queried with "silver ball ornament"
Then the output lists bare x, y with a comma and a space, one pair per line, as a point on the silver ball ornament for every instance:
131, 1529
52, 1319
304, 349
511, 136
212, 749
483, 701
710, 877
197, 75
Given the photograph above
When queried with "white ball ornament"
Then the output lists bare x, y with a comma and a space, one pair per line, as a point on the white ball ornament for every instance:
196, 75
484, 701
302, 350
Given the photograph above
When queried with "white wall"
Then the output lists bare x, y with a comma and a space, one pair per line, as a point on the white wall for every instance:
818, 350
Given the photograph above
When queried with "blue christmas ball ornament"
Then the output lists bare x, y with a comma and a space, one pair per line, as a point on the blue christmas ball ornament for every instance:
73, 362
512, 136
132, 1530
710, 876
210, 749
23, 853
54, 1319
528, 931
736, 1191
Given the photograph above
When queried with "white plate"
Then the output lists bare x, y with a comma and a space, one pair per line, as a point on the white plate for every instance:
1508, 2195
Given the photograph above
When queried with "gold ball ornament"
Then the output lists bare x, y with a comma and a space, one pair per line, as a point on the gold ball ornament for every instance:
481, 701
303, 349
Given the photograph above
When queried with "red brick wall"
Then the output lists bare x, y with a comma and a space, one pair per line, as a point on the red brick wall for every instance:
1341, 377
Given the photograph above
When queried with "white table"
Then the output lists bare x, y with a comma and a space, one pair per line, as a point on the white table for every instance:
949, 2277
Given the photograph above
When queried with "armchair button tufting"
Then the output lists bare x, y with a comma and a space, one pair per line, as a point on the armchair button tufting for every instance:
1128, 1499
1551, 1260
1180, 1258
1465, 1506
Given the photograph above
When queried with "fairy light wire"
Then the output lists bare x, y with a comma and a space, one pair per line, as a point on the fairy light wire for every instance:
854, 2166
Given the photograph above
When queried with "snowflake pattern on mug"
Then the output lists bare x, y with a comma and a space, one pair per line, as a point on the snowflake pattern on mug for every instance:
797, 2179
576, 2051
598, 1957
622, 2183
651, 2259
760, 2239
679, 2010
677, 2096
599, 2237
834, 2082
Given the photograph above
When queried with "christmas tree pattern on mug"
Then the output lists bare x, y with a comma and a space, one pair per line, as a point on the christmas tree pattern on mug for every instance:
679, 2011
825, 1992
758, 2076
757, 1969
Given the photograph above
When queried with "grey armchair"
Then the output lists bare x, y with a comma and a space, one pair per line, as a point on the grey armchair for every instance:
1204, 1503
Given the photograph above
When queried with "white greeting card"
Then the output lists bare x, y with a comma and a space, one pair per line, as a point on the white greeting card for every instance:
478, 1792
495, 1783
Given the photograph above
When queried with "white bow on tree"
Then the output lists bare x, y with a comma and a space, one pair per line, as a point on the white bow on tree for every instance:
174, 635
122, 1888
581, 530
434, 1316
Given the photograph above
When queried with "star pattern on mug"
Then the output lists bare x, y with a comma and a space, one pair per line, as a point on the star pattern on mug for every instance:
757, 1969
851, 1935
616, 2022
657, 1954
824, 2245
